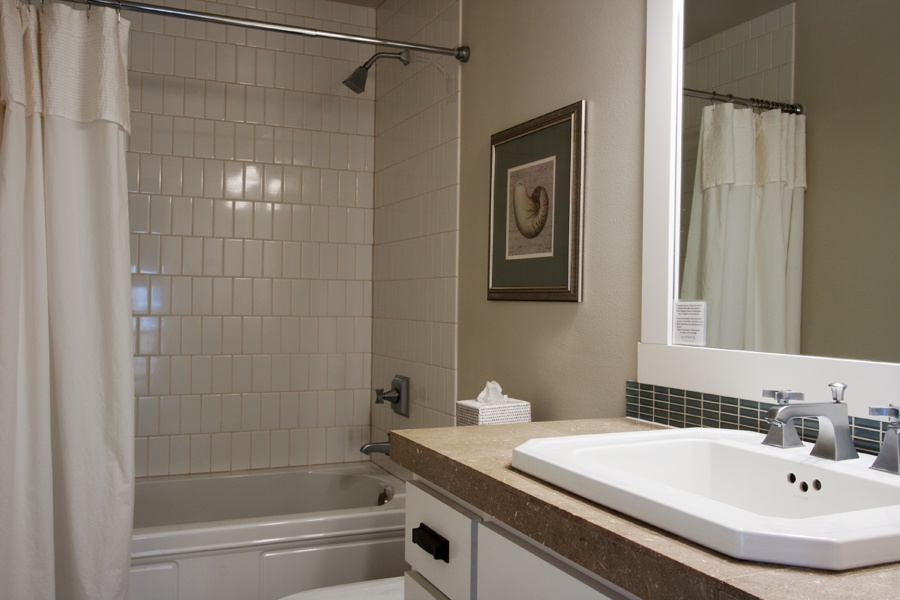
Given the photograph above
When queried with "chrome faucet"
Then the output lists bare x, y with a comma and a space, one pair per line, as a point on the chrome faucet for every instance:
834, 441
889, 458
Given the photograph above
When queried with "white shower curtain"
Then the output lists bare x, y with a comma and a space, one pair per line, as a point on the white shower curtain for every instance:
66, 383
745, 238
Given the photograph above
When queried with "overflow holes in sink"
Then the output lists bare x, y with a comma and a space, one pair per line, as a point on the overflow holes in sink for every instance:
804, 487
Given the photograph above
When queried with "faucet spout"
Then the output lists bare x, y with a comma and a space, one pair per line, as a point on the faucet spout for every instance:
382, 447
834, 441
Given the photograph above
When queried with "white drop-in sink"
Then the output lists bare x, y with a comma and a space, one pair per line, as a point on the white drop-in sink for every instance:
725, 490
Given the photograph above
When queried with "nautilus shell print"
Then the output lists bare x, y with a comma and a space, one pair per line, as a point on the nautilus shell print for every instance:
530, 209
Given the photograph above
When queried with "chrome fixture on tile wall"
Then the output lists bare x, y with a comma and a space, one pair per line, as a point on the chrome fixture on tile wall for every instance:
398, 395
357, 80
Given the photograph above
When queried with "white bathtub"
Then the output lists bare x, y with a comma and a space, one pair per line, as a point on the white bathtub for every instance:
265, 534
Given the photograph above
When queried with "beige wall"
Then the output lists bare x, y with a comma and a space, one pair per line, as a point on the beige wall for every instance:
851, 276
530, 57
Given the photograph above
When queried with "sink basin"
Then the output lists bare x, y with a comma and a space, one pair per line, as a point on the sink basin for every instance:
725, 490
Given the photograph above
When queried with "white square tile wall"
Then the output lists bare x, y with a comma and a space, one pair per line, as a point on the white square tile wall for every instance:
752, 60
416, 215
251, 177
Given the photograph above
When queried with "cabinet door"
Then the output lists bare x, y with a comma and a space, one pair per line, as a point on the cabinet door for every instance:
439, 540
510, 568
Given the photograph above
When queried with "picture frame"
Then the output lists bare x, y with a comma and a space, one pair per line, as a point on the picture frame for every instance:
536, 208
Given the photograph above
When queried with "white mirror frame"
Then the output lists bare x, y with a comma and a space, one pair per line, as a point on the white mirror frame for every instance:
725, 372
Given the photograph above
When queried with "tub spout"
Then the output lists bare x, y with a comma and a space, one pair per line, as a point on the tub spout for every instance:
382, 447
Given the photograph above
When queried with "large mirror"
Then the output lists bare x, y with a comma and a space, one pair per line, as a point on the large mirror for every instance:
840, 59
730, 372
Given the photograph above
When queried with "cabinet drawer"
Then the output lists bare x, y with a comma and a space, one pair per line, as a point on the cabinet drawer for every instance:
439, 540
510, 568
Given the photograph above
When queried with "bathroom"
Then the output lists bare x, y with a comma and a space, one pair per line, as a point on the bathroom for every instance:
259, 347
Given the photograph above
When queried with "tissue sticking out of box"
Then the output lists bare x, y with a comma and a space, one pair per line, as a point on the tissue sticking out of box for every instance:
492, 393
492, 407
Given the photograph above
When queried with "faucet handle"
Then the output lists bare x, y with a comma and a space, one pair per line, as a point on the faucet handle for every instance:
837, 391
392, 396
890, 411
782, 396
787, 395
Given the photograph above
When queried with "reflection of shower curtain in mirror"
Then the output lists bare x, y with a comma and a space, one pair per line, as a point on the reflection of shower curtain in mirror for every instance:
745, 239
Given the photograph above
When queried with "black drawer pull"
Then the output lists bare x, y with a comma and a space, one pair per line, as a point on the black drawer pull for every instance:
431, 542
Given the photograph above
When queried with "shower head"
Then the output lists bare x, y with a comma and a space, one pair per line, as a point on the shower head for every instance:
357, 80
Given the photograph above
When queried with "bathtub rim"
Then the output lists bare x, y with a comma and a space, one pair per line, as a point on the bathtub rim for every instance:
357, 468
178, 540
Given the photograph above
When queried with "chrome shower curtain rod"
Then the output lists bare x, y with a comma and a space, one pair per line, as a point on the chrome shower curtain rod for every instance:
796, 109
461, 53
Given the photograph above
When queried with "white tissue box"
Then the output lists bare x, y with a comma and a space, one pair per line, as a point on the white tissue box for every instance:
473, 412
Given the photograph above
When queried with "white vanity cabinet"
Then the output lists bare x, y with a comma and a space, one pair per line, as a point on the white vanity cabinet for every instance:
440, 542
484, 561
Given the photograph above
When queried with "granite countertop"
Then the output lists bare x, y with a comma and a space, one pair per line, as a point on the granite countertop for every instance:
473, 464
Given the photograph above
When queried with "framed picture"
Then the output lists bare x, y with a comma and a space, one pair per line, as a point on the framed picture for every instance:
536, 205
